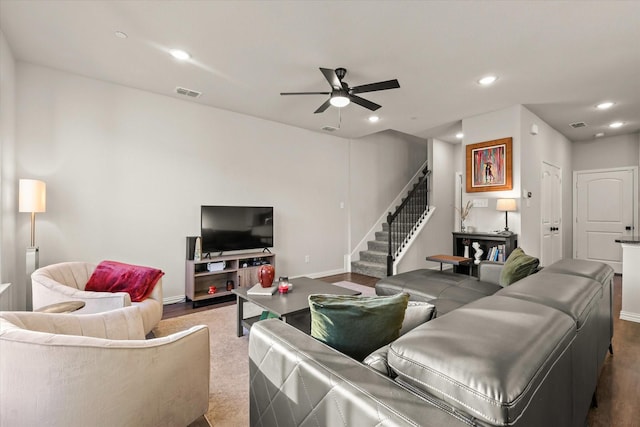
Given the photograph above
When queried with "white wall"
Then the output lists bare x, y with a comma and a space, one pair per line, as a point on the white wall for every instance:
127, 171
380, 166
551, 147
529, 151
436, 236
611, 152
8, 181
487, 127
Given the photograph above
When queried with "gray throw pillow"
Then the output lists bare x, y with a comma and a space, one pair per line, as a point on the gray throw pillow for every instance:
357, 325
518, 266
417, 313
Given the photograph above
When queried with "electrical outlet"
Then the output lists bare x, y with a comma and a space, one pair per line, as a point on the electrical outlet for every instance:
306, 258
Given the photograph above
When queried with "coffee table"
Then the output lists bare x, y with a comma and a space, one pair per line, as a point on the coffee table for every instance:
285, 305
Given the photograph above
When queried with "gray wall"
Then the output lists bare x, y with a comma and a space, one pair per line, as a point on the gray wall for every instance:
8, 184
381, 165
436, 236
127, 171
611, 152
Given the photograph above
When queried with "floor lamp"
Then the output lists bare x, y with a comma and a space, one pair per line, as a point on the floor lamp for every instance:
32, 198
506, 206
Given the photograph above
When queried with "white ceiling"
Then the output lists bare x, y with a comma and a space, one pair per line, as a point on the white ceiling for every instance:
558, 58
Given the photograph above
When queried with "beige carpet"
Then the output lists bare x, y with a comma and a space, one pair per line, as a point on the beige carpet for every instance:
229, 375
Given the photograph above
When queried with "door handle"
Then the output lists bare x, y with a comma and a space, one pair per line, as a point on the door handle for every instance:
629, 227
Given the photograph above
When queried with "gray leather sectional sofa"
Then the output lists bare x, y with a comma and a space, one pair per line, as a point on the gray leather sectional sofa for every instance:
525, 355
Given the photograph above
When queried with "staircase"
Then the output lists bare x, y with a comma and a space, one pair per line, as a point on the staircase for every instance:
406, 220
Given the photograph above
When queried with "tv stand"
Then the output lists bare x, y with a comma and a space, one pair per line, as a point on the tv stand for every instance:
241, 269
266, 250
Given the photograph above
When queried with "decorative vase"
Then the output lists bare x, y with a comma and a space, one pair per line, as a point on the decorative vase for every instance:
266, 273
466, 251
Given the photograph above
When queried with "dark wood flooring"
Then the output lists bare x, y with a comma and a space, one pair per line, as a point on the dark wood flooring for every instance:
618, 392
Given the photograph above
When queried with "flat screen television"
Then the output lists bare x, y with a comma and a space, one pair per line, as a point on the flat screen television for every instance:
234, 228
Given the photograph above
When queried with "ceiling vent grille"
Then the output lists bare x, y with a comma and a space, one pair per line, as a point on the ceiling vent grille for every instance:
578, 125
188, 92
329, 128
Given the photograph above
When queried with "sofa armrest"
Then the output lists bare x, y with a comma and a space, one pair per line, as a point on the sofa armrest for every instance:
489, 271
328, 388
122, 324
47, 291
98, 382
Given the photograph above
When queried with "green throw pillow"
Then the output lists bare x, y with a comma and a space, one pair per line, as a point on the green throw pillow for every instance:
518, 266
357, 325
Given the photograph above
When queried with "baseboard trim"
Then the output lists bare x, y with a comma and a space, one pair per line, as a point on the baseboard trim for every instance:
632, 317
174, 300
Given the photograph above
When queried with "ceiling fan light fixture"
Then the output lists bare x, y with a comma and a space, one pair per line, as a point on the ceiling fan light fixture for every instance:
339, 100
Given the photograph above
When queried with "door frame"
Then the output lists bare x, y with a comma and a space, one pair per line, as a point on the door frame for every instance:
634, 203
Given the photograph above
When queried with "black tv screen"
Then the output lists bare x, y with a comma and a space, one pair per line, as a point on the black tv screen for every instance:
233, 228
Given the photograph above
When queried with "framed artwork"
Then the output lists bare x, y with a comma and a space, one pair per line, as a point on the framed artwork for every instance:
489, 166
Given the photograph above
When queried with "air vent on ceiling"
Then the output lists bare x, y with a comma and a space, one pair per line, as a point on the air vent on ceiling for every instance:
329, 128
578, 125
188, 92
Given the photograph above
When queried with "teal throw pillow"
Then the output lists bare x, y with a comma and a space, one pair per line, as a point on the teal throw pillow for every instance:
518, 266
357, 325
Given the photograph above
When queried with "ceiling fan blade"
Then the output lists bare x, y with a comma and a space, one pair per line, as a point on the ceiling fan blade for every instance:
305, 93
364, 103
323, 107
331, 77
372, 87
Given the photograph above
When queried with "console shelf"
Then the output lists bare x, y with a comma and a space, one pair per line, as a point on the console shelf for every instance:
240, 269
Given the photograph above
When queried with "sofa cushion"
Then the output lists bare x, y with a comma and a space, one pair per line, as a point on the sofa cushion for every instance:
517, 266
595, 270
492, 358
357, 325
574, 295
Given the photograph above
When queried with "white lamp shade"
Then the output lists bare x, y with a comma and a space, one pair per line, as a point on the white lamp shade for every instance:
32, 196
506, 205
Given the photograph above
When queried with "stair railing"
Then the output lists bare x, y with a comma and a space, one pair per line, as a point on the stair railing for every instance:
406, 218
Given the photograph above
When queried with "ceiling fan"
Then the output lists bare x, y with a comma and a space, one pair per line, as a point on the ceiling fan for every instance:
342, 94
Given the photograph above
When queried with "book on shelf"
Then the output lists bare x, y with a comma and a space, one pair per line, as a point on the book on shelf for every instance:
257, 289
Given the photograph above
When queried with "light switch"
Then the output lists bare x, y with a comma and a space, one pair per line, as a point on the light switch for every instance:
480, 203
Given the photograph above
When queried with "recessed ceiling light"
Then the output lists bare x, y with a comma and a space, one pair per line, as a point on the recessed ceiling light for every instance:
599, 134
121, 34
459, 135
616, 125
487, 80
604, 105
179, 54
373, 119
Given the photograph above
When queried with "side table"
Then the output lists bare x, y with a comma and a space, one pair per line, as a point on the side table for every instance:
450, 259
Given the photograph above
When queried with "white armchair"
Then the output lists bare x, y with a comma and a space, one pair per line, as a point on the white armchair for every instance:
66, 282
97, 370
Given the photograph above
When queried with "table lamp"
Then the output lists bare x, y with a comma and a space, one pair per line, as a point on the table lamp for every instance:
506, 206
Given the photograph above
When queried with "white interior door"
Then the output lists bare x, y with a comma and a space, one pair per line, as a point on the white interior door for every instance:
551, 205
605, 209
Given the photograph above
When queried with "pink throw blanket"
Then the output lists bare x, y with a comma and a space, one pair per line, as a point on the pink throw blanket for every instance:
112, 276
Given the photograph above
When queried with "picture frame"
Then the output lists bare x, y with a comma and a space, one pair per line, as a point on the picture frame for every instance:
489, 166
